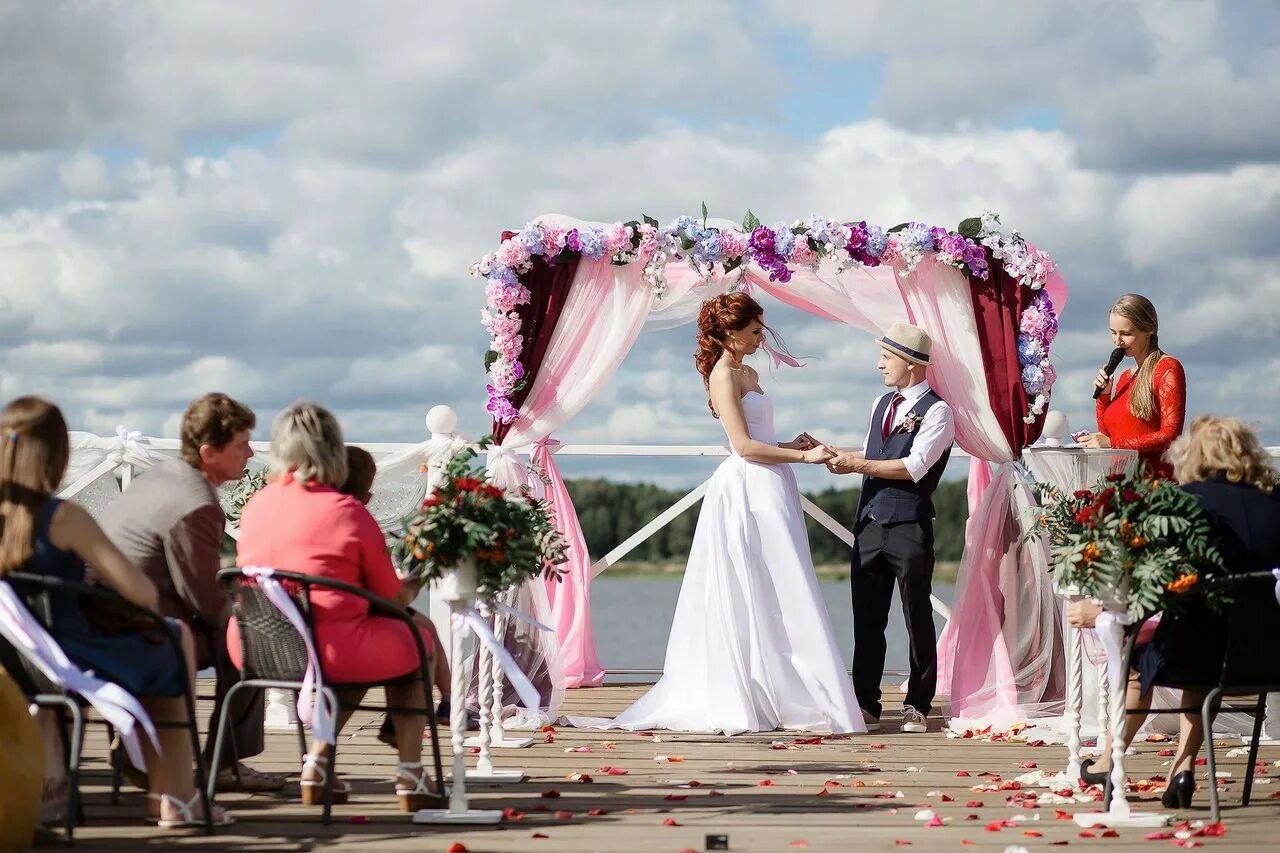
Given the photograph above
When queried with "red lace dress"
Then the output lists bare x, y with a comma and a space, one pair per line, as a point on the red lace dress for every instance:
1150, 438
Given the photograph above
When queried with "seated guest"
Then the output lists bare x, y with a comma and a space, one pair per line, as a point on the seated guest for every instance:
1222, 463
169, 524
361, 471
300, 522
45, 535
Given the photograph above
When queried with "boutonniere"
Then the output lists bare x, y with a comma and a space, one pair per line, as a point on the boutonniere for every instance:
910, 422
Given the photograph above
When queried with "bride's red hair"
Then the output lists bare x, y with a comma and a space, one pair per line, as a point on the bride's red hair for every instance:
728, 312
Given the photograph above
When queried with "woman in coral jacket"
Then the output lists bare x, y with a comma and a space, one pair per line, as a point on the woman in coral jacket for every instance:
1144, 410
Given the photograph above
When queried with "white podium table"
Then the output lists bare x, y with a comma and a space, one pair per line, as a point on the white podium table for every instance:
1069, 469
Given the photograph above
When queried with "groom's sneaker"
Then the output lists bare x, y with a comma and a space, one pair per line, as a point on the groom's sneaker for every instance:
913, 721
872, 723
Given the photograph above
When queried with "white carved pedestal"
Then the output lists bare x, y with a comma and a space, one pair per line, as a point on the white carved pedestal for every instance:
459, 591
489, 690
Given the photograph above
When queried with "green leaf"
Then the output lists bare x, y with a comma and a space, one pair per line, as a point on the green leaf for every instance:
971, 227
649, 220
901, 226
489, 358
750, 222
704, 214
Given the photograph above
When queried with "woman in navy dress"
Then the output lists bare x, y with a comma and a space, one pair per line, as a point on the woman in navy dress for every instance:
41, 534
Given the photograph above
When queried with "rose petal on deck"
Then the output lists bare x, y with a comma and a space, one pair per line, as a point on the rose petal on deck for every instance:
670, 822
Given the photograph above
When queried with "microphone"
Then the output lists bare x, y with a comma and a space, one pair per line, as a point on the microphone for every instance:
1117, 356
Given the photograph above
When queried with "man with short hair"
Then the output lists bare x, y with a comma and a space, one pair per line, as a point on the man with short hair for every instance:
170, 524
906, 450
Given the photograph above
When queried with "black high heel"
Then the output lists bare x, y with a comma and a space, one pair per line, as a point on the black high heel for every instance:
1089, 777
1177, 794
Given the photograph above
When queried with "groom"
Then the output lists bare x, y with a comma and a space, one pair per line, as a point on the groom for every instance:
907, 447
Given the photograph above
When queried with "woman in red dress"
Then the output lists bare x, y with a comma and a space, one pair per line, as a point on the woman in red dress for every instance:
300, 522
1145, 409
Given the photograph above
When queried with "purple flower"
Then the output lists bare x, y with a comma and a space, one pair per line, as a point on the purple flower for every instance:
572, 241
506, 275
938, 234
858, 235
709, 248
531, 239
783, 240
918, 236
762, 241
1033, 379
877, 242
591, 243
1030, 350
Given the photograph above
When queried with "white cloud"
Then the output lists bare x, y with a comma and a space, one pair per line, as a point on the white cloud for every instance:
327, 256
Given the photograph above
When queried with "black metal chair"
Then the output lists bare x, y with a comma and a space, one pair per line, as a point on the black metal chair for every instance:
274, 655
1251, 666
37, 591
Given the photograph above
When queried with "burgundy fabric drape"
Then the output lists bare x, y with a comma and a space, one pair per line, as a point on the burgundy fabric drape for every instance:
997, 308
549, 287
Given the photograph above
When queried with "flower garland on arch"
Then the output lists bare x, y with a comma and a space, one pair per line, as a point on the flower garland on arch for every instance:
779, 250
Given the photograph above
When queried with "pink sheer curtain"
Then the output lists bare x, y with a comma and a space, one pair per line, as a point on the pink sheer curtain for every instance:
570, 596
603, 314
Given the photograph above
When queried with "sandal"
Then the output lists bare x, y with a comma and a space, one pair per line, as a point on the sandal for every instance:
313, 789
413, 788
187, 817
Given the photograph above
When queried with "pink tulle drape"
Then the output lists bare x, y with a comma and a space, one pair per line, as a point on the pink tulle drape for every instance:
570, 596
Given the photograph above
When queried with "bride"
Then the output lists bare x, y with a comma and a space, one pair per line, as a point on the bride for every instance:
751, 647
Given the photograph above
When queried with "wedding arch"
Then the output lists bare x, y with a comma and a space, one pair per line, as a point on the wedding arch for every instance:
566, 300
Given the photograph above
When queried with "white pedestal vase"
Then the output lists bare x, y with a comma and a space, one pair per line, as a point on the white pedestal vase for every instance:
458, 588
489, 697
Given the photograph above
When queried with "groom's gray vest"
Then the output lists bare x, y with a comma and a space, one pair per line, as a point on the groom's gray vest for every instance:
892, 501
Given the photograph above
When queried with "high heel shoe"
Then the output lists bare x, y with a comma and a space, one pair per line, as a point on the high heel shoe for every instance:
1177, 794
1089, 777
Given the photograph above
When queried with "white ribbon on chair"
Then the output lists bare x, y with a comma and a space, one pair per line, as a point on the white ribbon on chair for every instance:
473, 620
313, 708
116, 705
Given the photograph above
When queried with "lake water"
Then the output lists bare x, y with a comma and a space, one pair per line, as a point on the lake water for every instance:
632, 618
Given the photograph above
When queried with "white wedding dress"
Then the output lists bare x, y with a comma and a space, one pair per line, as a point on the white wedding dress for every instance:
751, 647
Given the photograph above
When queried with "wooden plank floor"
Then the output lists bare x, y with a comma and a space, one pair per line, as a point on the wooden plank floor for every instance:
764, 798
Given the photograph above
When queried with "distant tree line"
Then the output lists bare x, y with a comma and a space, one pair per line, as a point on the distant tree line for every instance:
610, 512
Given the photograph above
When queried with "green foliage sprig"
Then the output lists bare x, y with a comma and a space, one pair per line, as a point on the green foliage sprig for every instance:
1145, 540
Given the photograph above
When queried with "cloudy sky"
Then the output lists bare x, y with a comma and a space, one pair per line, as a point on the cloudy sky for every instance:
281, 200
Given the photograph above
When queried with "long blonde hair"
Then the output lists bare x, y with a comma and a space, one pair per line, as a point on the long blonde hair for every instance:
33, 458
1137, 309
1217, 445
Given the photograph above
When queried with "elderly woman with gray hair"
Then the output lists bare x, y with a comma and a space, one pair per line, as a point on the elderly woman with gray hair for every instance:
301, 522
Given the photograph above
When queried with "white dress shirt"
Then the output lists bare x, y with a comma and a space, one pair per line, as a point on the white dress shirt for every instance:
936, 432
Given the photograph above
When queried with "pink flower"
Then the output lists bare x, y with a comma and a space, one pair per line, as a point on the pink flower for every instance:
508, 346
801, 253
553, 237
1050, 375
733, 244
504, 298
617, 237
1032, 321
512, 253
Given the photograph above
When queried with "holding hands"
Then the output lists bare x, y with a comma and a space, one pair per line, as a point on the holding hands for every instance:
846, 463
815, 452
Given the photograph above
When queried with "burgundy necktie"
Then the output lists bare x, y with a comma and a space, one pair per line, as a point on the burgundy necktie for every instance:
887, 426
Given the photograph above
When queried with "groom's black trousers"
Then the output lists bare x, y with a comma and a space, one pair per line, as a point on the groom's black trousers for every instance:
902, 551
